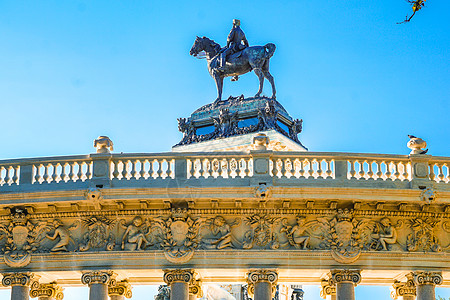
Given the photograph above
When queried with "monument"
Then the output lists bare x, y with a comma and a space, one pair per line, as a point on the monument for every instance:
239, 208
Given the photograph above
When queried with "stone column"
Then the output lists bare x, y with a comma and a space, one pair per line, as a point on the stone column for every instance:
19, 283
425, 283
262, 284
327, 290
121, 290
179, 280
345, 281
403, 290
98, 282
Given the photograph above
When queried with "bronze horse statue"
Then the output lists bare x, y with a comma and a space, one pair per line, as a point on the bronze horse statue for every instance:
254, 58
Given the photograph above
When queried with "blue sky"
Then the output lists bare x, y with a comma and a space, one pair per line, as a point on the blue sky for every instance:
73, 70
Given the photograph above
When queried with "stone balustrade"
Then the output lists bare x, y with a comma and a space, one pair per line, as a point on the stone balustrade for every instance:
273, 168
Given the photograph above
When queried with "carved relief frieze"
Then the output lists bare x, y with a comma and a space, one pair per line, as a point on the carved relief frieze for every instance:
423, 237
99, 234
218, 235
137, 234
262, 232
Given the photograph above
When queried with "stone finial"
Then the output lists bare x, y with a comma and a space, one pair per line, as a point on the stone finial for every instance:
400, 289
416, 145
99, 277
12, 279
51, 290
180, 275
122, 288
260, 141
255, 276
420, 278
338, 276
327, 289
103, 144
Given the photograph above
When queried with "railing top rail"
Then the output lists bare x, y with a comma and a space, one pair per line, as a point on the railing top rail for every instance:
440, 159
33, 160
342, 155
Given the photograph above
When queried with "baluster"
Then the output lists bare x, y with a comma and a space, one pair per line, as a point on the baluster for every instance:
319, 168
432, 174
379, 173
63, 172
71, 171
151, 168
405, 171
396, 173
88, 170
142, 171
329, 171
282, 167
133, 171
247, 167
311, 168
448, 173
352, 169
238, 167
370, 172
301, 172
292, 170
124, 169
80, 171
171, 168
388, 170
55, 173
441, 173
199, 168
15, 176
361, 172
116, 172
160, 171
1, 176
46, 173
8, 176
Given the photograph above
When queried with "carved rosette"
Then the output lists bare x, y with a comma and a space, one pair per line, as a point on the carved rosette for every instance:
51, 290
255, 276
122, 288
99, 277
178, 275
12, 279
400, 289
326, 289
434, 278
353, 276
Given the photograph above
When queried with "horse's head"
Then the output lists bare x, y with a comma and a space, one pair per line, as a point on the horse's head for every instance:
204, 44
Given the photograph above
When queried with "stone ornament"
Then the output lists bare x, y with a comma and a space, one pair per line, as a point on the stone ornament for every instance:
103, 144
297, 234
50, 290
12, 279
260, 141
136, 234
99, 234
99, 277
219, 227
178, 275
400, 289
423, 236
338, 276
434, 278
262, 233
416, 145
63, 233
122, 288
327, 289
428, 195
195, 286
255, 276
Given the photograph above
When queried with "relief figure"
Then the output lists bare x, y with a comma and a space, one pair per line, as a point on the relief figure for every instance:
134, 236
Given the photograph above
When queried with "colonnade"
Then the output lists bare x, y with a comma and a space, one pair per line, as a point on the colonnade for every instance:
185, 284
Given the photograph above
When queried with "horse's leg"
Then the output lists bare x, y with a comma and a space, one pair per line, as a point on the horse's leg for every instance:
270, 78
260, 75
219, 84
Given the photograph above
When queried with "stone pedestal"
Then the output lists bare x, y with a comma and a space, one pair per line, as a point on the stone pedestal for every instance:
19, 283
345, 281
98, 282
327, 290
121, 290
425, 283
262, 284
179, 280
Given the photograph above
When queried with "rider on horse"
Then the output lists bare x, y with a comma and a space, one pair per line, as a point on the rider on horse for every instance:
236, 42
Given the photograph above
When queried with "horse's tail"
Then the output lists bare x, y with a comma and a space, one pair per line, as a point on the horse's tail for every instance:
269, 49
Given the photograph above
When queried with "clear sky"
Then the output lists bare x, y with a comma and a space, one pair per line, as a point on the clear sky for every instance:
73, 70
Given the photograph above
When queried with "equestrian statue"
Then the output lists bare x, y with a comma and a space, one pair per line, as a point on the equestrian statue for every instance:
235, 59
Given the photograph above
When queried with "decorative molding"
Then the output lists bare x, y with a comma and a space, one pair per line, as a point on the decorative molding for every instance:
122, 288
400, 289
327, 288
99, 277
178, 275
427, 278
50, 290
339, 276
262, 275
12, 279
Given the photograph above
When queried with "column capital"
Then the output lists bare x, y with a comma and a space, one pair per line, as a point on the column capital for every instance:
195, 287
12, 279
51, 290
338, 276
327, 288
122, 288
400, 289
99, 277
422, 277
178, 275
262, 275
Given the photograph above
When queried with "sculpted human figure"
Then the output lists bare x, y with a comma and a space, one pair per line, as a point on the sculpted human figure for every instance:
134, 238
63, 234
236, 42
220, 227
298, 233
388, 235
